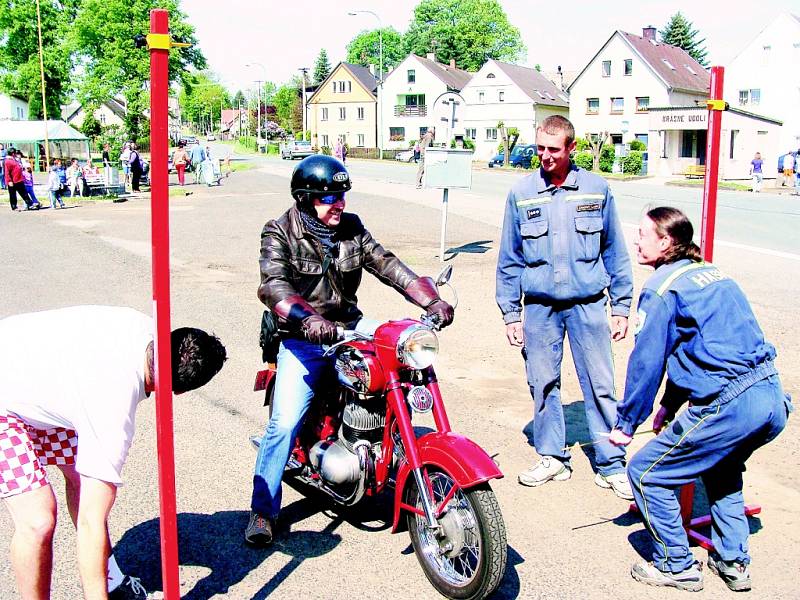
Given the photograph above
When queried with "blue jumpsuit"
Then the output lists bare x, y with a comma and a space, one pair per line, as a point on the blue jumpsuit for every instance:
696, 324
561, 249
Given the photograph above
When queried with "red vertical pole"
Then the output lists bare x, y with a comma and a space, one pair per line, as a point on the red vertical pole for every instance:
159, 207
712, 165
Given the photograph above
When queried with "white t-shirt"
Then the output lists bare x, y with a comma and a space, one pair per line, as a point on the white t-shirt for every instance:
81, 368
788, 162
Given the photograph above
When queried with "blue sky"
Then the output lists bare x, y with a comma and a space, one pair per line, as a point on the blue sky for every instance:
284, 36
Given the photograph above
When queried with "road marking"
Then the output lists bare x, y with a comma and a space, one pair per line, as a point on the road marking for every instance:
738, 246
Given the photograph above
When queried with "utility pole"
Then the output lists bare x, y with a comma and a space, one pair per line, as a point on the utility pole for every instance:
303, 71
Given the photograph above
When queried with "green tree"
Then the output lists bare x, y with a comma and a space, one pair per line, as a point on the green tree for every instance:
322, 67
469, 31
91, 127
364, 49
286, 100
202, 99
102, 36
19, 52
678, 32
268, 93
239, 99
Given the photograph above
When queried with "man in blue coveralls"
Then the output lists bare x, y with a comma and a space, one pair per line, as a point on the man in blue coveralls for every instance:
562, 248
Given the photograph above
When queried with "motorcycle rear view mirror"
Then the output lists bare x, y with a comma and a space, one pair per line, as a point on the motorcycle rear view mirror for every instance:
445, 275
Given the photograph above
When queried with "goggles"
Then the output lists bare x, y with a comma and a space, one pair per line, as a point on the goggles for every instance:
330, 198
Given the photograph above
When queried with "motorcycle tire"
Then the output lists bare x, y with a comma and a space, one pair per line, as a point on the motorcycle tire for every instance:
473, 568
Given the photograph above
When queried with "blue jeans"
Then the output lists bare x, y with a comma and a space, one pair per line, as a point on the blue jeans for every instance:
302, 369
590, 340
712, 442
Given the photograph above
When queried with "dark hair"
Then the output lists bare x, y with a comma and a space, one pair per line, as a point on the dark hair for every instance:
675, 224
196, 358
555, 124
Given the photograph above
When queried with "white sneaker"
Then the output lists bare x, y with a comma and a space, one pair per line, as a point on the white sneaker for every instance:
618, 482
546, 469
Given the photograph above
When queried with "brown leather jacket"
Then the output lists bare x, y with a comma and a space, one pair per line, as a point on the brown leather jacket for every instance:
292, 263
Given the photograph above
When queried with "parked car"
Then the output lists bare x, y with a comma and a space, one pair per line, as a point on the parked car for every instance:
405, 156
292, 149
211, 137
188, 140
520, 158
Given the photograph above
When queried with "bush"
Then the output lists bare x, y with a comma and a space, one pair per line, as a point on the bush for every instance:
248, 142
582, 144
607, 158
273, 148
326, 150
584, 160
535, 162
638, 146
632, 164
468, 144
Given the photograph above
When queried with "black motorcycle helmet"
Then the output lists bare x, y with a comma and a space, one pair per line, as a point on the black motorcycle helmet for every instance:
319, 175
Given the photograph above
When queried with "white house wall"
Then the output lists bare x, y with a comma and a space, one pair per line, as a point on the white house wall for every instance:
396, 83
769, 63
642, 82
13, 108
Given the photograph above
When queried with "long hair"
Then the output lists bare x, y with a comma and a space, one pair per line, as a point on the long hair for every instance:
674, 223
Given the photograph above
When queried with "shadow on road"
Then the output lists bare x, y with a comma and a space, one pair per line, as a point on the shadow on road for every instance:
471, 248
216, 543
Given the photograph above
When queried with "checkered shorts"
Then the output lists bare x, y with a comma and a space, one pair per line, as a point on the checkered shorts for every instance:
25, 451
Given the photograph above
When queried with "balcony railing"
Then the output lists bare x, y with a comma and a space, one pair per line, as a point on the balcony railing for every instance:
410, 111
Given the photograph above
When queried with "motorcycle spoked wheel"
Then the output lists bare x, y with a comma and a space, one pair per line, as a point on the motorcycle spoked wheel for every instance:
468, 561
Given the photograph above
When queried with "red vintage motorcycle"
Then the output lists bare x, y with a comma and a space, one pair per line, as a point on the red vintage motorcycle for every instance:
359, 440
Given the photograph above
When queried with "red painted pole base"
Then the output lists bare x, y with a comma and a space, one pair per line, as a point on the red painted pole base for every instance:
686, 499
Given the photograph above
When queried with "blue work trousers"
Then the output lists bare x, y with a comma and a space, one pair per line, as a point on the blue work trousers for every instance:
712, 442
586, 324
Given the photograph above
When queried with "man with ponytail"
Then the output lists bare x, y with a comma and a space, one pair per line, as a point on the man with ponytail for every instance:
695, 325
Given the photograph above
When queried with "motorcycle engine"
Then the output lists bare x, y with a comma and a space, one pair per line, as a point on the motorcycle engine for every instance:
362, 421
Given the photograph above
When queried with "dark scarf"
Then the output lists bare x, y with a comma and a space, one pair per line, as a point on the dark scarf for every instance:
325, 235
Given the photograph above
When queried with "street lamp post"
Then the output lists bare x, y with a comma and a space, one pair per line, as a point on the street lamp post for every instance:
258, 117
380, 77
303, 71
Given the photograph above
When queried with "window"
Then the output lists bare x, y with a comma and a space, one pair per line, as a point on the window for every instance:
490, 76
397, 134
642, 137
734, 134
592, 106
606, 68
412, 76
688, 139
617, 105
642, 104
102, 118
628, 68
669, 64
360, 110
491, 134
481, 97
324, 140
744, 96
501, 96
471, 133
342, 113
422, 132
324, 114
690, 69
763, 132
755, 97
360, 140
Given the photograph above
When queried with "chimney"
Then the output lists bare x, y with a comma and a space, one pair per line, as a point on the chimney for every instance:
453, 63
649, 33
431, 56
372, 69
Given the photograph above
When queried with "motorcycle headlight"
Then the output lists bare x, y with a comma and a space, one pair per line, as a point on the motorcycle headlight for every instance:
417, 347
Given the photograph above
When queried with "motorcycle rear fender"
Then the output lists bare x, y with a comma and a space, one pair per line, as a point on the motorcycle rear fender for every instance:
463, 459
265, 380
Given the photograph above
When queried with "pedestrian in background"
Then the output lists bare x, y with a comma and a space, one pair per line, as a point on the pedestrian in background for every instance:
179, 158
416, 151
137, 167
788, 169
107, 163
338, 150
426, 141
695, 325
27, 177
562, 250
797, 174
15, 183
3, 155
124, 159
54, 185
74, 178
198, 156
756, 172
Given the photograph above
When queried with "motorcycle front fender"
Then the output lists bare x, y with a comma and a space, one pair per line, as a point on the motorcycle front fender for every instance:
464, 460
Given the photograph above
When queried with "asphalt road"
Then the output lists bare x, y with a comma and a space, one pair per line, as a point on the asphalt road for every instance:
566, 540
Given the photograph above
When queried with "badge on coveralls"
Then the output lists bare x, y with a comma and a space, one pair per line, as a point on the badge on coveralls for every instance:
640, 318
534, 212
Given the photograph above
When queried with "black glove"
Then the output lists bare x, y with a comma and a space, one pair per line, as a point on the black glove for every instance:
442, 311
318, 330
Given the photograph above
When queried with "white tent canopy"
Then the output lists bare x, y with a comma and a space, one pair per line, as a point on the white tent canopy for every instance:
28, 136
